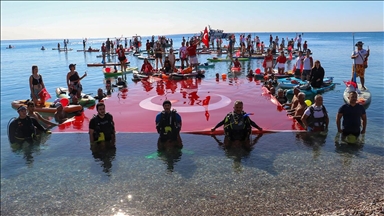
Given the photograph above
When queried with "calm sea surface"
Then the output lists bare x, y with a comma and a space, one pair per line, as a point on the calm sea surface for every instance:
284, 171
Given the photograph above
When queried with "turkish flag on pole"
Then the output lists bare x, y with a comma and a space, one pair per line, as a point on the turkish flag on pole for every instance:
205, 39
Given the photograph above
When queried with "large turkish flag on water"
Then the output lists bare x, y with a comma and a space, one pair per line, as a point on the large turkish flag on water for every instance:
202, 103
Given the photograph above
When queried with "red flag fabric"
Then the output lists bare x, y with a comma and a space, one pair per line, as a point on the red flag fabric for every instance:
44, 94
205, 39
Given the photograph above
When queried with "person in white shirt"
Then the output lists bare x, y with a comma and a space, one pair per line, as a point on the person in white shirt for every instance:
299, 43
315, 117
359, 57
307, 66
183, 55
299, 62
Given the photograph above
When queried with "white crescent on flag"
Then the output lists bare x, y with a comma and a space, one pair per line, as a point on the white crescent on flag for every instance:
205, 37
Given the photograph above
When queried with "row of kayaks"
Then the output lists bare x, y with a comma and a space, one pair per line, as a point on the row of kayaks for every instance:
61, 92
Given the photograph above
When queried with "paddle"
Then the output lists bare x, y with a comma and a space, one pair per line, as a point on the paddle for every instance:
354, 60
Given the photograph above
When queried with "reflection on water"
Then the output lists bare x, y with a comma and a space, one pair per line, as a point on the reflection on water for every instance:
202, 168
28, 149
170, 156
314, 140
237, 150
104, 152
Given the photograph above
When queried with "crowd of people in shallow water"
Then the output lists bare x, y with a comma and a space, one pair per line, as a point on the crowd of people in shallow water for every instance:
237, 124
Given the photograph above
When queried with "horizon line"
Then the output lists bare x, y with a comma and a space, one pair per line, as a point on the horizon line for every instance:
373, 31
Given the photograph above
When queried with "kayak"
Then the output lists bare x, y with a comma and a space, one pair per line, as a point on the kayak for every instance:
206, 65
48, 108
287, 83
310, 91
117, 73
62, 49
86, 100
225, 59
146, 57
182, 76
363, 96
276, 75
92, 50
99, 64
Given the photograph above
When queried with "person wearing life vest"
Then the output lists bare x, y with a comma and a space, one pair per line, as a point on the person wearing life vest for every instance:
315, 117
102, 127
237, 124
168, 125
24, 128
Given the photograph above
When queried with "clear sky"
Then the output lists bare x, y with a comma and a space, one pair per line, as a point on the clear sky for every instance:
57, 20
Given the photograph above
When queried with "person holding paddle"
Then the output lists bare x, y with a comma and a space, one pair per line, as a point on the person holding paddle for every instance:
359, 57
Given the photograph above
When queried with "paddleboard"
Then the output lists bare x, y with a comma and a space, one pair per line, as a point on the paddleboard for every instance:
363, 96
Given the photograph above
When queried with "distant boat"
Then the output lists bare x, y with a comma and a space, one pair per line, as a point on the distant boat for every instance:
10, 47
217, 33
42, 48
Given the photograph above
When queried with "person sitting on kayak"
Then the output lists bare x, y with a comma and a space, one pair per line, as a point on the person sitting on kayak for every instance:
250, 73
281, 97
237, 126
31, 113
100, 94
317, 75
294, 102
167, 66
121, 83
168, 125
236, 63
200, 74
60, 115
301, 107
146, 68
24, 128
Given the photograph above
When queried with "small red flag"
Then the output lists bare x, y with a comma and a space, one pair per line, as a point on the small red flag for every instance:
205, 39
44, 94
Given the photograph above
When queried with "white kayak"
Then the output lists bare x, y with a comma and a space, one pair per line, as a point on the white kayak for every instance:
363, 96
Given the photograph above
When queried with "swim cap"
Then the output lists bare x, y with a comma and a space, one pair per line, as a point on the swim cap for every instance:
21, 108
167, 102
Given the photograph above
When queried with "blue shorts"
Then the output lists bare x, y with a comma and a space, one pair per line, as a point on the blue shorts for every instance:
36, 93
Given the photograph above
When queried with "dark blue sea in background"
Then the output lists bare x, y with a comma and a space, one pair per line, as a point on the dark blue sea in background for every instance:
283, 172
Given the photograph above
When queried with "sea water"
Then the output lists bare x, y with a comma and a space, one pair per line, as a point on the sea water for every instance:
283, 172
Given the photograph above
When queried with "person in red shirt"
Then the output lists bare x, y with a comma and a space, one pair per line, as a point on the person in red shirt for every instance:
122, 58
236, 63
192, 53
147, 67
280, 62
268, 62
